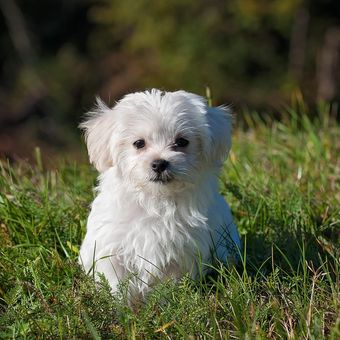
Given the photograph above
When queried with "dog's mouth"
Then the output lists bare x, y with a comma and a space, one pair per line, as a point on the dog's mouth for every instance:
162, 179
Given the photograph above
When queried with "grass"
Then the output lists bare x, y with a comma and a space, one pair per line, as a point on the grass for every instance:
282, 181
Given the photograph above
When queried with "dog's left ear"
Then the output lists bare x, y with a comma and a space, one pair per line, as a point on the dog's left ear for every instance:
216, 132
219, 121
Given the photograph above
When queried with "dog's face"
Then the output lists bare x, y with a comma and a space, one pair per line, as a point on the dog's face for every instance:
158, 139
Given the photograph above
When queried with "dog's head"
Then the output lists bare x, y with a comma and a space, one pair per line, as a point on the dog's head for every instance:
158, 138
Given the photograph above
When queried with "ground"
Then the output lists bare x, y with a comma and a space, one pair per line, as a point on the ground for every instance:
282, 181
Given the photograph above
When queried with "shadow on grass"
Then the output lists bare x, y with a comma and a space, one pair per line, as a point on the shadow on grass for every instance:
288, 239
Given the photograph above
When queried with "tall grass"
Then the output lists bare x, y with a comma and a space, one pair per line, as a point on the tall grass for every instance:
282, 181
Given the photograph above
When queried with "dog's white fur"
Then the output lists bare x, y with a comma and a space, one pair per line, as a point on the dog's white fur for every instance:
148, 230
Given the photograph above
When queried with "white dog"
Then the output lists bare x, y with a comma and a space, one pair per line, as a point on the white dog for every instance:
158, 213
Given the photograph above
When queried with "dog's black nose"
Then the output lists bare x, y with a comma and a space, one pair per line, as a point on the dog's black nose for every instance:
159, 165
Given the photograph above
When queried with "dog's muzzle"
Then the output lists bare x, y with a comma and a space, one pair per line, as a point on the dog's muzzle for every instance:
160, 168
159, 165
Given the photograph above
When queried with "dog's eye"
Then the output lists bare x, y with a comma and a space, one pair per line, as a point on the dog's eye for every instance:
181, 143
139, 144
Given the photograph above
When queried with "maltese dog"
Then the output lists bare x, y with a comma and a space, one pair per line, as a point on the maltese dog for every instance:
158, 213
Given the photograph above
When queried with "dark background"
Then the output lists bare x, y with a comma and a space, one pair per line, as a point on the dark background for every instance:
55, 56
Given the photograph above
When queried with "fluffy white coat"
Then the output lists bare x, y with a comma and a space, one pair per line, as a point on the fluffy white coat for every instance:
146, 226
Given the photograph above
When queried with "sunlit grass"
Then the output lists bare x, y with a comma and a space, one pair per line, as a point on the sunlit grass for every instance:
282, 181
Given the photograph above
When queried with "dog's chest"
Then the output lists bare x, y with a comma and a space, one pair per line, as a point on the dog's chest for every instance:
162, 241
150, 238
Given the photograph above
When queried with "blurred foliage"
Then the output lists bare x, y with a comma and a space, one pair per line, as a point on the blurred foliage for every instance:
230, 46
252, 53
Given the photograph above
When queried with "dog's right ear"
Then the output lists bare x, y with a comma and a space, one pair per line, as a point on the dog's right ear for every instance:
98, 128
